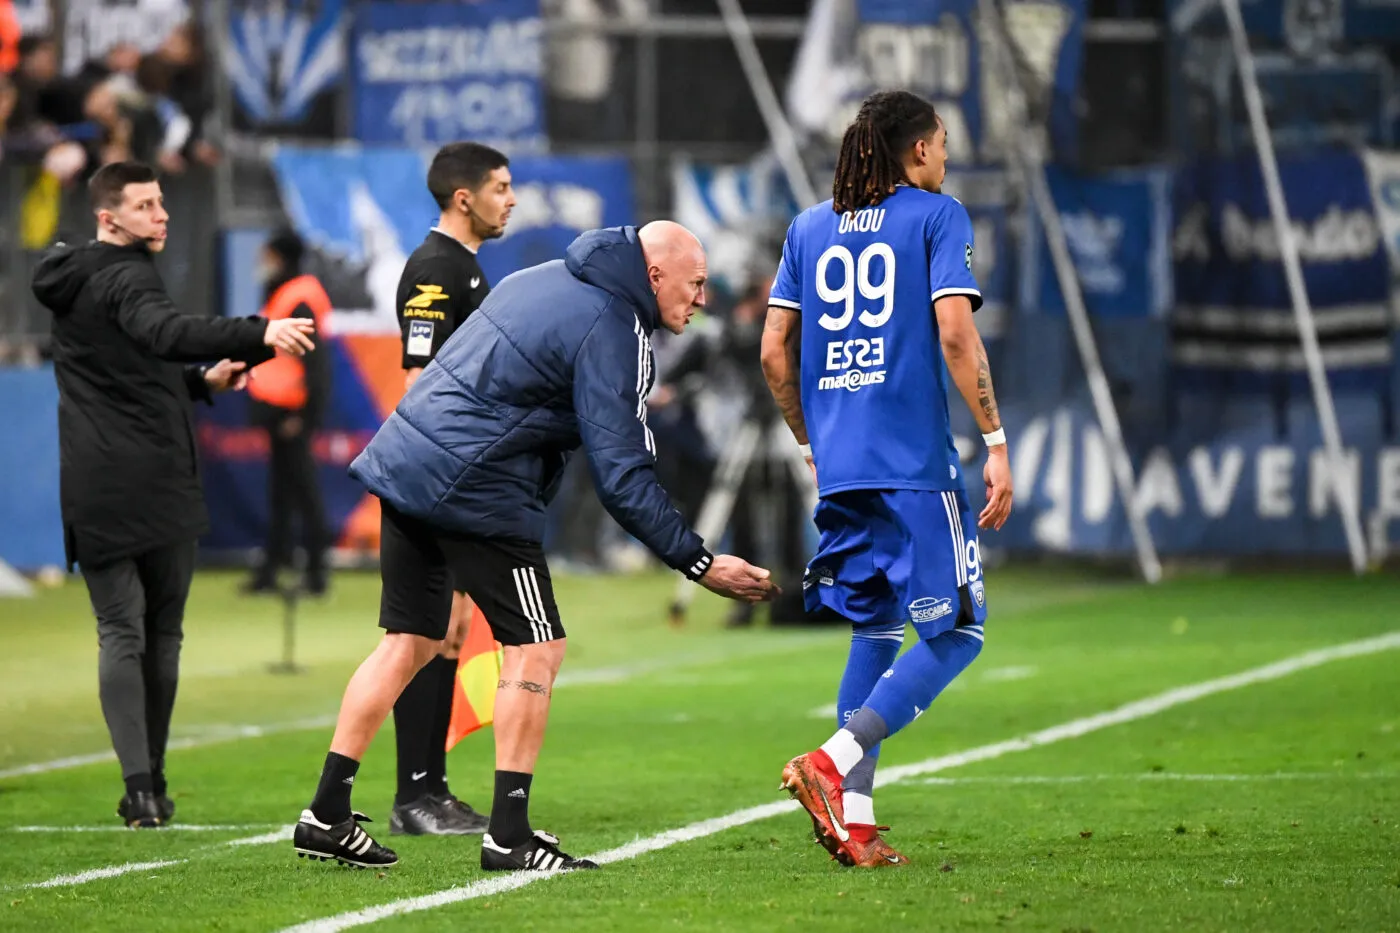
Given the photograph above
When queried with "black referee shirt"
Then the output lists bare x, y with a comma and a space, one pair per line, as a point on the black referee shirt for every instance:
442, 283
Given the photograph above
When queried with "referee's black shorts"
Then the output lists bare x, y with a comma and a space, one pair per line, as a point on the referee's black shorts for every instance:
420, 566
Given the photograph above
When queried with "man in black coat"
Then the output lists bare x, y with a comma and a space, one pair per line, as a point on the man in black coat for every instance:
133, 506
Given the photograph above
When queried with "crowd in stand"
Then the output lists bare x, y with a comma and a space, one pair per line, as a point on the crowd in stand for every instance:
124, 105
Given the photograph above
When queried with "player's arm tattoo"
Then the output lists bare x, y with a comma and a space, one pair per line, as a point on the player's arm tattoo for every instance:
986, 395
782, 366
527, 685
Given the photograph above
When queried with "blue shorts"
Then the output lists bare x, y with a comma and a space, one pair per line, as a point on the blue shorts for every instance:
898, 555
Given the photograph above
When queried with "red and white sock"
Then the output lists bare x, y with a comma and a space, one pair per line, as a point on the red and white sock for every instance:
842, 750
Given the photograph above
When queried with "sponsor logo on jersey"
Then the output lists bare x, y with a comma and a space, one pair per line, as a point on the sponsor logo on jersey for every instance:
853, 380
929, 609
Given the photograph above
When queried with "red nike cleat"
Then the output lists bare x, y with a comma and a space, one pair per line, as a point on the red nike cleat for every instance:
868, 849
818, 789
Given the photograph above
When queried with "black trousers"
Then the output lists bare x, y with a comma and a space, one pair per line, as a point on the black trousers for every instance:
293, 489
140, 607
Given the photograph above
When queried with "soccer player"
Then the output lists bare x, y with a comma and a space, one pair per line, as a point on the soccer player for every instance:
851, 354
441, 285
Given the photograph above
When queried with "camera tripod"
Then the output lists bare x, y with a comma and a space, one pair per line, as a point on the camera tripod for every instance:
734, 463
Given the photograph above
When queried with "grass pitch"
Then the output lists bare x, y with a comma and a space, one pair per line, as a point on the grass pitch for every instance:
1267, 804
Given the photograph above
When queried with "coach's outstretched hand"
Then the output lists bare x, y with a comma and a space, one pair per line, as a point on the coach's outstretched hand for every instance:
736, 578
292, 334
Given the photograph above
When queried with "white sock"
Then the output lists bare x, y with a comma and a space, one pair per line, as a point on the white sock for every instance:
844, 750
859, 809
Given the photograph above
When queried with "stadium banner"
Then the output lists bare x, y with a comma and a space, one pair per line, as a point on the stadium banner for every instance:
1233, 312
1236, 490
92, 28
430, 73
1118, 228
361, 212
933, 48
936, 48
286, 64
31, 518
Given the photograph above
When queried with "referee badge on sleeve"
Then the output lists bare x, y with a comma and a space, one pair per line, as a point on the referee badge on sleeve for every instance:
420, 338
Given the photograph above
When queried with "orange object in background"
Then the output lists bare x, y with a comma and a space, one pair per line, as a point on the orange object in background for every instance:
478, 672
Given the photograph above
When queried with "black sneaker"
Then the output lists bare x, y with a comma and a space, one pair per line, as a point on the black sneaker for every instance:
427, 816
538, 853
165, 807
345, 842
473, 823
139, 810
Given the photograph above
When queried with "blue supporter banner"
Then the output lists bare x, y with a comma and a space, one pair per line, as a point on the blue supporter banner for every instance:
431, 73
1226, 484
1117, 227
1233, 310
933, 48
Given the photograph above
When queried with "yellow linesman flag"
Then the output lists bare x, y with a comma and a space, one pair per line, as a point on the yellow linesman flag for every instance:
478, 672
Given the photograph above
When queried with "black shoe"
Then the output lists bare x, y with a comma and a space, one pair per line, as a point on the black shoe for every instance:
473, 823
538, 853
258, 586
140, 810
429, 815
345, 842
165, 807
315, 585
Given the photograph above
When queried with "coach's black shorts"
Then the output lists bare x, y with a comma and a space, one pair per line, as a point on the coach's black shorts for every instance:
420, 566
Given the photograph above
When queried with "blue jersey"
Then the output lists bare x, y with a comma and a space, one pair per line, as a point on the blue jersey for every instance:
874, 385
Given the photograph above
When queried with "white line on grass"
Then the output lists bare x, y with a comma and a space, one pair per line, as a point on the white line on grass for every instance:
176, 828
113, 871
1069, 730
1163, 776
217, 734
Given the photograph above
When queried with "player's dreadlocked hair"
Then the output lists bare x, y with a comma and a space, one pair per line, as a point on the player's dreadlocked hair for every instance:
889, 122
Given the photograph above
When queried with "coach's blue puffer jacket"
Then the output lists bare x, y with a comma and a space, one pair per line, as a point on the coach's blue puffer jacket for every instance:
559, 354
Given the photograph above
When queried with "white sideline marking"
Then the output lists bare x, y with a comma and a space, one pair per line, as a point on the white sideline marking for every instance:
83, 877
1014, 672
1164, 776
1072, 729
176, 828
277, 835
217, 734
112, 871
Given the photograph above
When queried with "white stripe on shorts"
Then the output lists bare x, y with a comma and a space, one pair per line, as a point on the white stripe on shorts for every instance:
525, 604
545, 624
950, 505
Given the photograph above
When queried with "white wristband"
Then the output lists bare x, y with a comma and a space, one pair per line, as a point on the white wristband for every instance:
996, 438
805, 450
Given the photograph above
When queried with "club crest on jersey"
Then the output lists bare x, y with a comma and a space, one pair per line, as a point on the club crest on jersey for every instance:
929, 609
979, 593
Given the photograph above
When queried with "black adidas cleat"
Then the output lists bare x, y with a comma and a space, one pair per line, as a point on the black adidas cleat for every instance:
140, 810
345, 842
538, 853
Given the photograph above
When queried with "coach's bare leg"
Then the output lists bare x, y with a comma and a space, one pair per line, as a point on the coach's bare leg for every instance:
522, 702
462, 607
375, 687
